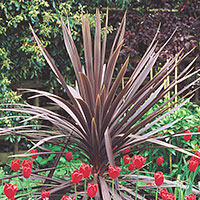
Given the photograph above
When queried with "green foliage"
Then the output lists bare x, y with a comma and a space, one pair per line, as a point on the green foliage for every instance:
20, 58
8, 96
189, 117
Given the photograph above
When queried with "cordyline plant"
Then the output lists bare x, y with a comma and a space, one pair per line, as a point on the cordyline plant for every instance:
103, 120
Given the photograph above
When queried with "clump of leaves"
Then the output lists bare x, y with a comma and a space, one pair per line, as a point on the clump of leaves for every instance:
103, 122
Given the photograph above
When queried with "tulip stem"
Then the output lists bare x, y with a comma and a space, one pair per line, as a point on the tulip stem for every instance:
27, 183
2, 175
189, 186
20, 183
113, 189
136, 185
85, 186
157, 193
30, 188
75, 191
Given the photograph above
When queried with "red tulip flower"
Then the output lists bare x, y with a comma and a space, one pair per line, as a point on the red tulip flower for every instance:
34, 151
131, 167
126, 159
188, 136
27, 163
197, 153
114, 172
159, 160
10, 190
138, 161
163, 192
193, 164
85, 169
92, 189
76, 176
199, 129
149, 183
159, 178
68, 156
191, 197
127, 150
45, 194
169, 196
26, 171
65, 197
15, 165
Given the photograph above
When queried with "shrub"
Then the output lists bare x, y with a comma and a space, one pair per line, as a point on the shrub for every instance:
103, 123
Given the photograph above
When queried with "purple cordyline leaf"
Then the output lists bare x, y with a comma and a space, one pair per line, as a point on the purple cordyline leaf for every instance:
53, 67
98, 117
71, 110
131, 123
102, 68
72, 51
149, 52
108, 146
115, 85
130, 191
104, 188
161, 117
110, 67
87, 92
159, 108
109, 113
87, 43
86, 111
97, 53
139, 105
120, 34
167, 183
142, 124
95, 137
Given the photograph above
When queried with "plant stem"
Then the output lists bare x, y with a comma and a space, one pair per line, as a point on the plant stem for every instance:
143, 197
113, 189
157, 193
136, 185
1, 175
85, 185
20, 183
27, 183
189, 182
75, 191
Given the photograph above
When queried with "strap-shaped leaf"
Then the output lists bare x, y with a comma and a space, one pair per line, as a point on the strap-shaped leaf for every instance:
116, 84
98, 116
87, 92
95, 138
120, 33
72, 51
97, 53
110, 67
108, 145
53, 66
87, 42
86, 111
104, 45
70, 109
104, 188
